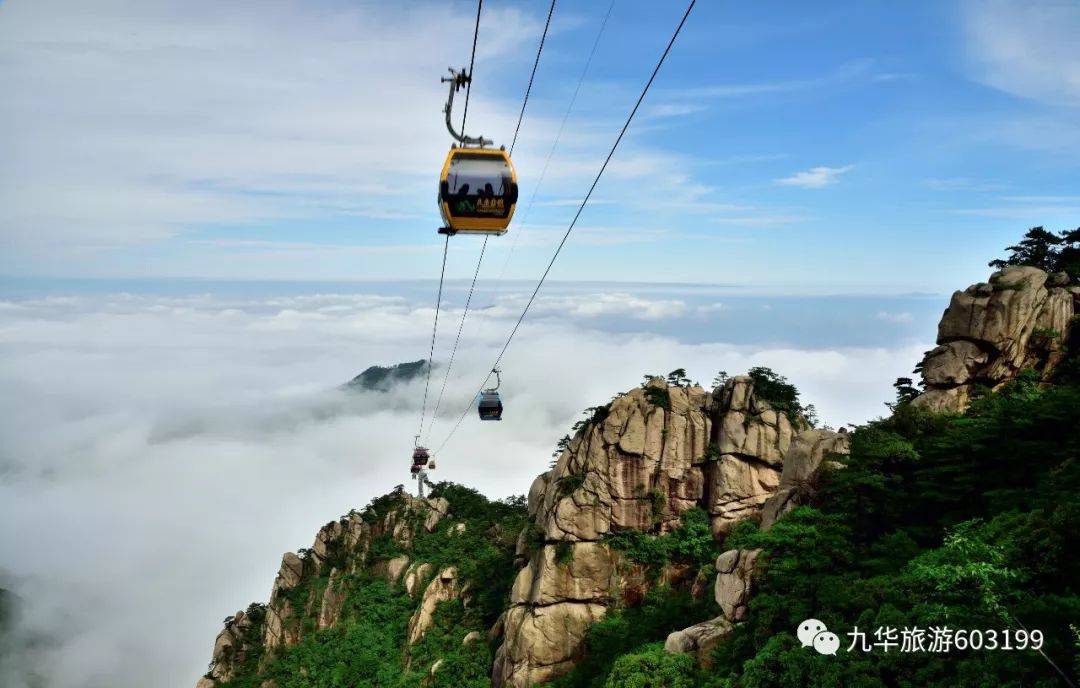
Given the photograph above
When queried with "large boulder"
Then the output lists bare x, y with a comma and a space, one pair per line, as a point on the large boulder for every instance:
415, 577
737, 488
395, 567
748, 426
734, 582
1020, 319
327, 543
587, 572
810, 449
542, 642
282, 626
700, 640
230, 650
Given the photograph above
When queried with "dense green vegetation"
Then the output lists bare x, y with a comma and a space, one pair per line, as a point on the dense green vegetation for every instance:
613, 643
967, 521
971, 522
364, 650
691, 543
781, 395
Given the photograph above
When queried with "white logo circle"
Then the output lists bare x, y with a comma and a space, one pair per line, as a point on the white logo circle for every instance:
808, 629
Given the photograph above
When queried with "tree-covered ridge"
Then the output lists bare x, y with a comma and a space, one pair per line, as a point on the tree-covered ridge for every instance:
382, 378
367, 645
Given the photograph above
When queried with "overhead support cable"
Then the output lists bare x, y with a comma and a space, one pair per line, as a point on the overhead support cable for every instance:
446, 244
434, 330
472, 61
577, 215
551, 152
536, 63
457, 339
483, 248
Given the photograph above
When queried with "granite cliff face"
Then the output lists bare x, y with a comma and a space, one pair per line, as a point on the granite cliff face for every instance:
340, 548
1020, 319
639, 464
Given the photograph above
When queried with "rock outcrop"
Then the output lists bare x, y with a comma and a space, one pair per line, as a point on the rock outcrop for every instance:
1020, 319
808, 452
233, 645
340, 547
699, 639
734, 585
639, 464
734, 581
443, 588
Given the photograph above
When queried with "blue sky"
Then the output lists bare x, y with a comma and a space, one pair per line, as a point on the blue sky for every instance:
879, 147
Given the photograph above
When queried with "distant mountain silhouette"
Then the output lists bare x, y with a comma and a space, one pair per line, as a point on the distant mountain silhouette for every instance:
382, 378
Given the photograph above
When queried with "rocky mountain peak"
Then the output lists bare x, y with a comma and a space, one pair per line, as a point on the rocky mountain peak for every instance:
1018, 320
640, 463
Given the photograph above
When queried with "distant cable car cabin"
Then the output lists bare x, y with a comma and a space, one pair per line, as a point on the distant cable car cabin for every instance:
478, 188
490, 405
420, 457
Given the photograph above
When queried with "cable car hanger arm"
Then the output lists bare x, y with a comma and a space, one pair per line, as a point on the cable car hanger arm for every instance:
457, 80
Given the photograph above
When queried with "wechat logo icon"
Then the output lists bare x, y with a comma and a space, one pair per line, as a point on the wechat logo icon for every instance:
813, 633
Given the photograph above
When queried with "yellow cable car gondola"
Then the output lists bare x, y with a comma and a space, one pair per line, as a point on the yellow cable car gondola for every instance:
478, 188
477, 191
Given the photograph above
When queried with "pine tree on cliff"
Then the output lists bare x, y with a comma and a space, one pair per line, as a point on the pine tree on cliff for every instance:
1050, 251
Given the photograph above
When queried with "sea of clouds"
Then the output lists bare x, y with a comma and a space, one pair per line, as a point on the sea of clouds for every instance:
159, 453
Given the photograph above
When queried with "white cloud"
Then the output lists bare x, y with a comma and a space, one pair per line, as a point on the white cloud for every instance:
902, 317
1034, 214
1025, 47
160, 119
163, 128
952, 184
845, 73
815, 177
674, 110
157, 454
1042, 199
